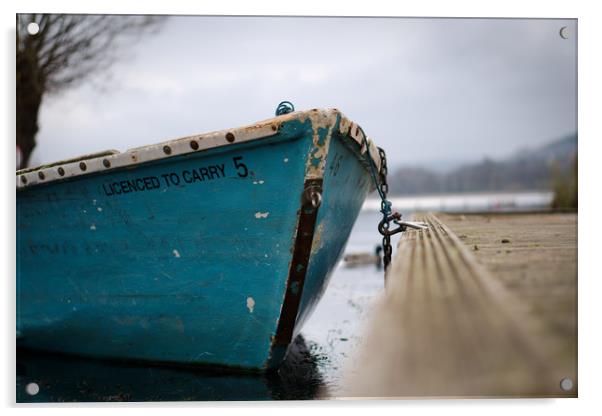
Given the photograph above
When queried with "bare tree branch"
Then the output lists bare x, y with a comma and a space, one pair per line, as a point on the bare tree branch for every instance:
67, 43
67, 49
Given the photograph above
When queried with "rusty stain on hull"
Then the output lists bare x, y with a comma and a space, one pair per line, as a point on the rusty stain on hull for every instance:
298, 268
322, 124
317, 243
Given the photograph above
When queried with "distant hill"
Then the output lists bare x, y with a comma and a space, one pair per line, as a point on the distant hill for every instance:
528, 169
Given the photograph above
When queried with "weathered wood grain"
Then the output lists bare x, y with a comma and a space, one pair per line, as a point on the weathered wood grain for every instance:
448, 326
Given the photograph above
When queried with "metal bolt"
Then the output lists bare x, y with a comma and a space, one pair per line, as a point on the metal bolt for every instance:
41, 175
167, 150
566, 384
194, 145
32, 389
564, 32
106, 163
61, 171
313, 197
23, 179
82, 166
33, 28
230, 137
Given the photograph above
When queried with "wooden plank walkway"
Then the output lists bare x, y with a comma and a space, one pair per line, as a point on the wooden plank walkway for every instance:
448, 326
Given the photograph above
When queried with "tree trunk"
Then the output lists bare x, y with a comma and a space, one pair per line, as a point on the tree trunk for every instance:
30, 87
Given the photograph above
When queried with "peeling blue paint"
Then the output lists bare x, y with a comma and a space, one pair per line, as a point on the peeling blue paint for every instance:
165, 272
346, 189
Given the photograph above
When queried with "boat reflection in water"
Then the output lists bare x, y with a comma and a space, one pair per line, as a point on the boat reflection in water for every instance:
62, 378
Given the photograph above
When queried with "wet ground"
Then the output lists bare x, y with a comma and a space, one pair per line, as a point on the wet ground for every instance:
313, 368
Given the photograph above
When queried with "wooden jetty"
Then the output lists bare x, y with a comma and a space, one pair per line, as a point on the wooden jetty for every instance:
477, 305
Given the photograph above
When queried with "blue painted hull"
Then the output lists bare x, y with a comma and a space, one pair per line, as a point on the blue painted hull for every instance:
214, 257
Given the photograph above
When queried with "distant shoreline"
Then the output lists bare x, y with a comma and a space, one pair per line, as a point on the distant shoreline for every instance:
467, 201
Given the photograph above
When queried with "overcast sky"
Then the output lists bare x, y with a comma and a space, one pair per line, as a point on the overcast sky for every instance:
426, 90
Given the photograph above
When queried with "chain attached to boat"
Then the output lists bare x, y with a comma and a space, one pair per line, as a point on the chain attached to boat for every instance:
385, 206
382, 186
380, 182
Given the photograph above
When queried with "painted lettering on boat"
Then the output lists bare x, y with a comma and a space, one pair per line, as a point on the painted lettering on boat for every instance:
166, 180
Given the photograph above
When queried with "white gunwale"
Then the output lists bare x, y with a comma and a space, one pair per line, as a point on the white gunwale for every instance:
113, 159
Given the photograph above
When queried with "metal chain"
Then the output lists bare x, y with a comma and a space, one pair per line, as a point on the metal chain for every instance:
382, 186
385, 208
388, 216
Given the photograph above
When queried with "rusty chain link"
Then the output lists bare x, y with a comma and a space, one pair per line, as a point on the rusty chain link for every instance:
385, 209
382, 186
